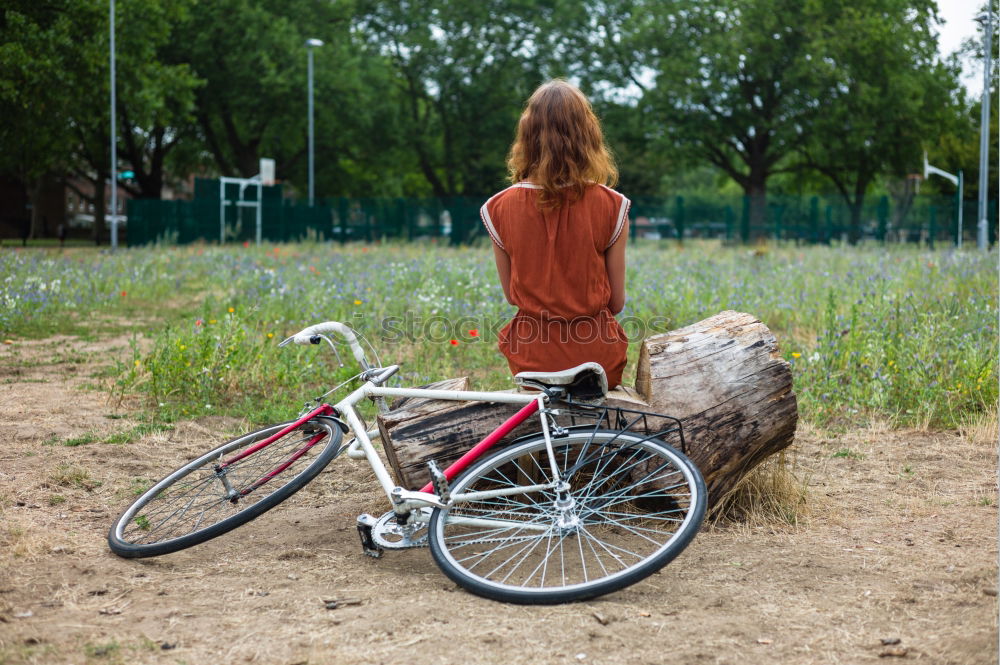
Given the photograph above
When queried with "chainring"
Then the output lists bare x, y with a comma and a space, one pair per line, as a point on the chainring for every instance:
388, 534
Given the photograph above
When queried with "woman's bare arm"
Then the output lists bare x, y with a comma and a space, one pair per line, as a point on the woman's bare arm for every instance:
614, 261
503, 269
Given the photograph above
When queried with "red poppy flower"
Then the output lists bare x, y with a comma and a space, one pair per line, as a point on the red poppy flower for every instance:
474, 332
454, 342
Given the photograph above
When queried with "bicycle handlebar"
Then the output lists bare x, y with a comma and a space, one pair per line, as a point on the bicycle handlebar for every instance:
306, 334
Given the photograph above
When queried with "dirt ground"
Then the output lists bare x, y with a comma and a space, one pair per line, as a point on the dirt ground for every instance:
895, 558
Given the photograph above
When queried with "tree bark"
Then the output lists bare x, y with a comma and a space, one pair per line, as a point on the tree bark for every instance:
721, 377
725, 380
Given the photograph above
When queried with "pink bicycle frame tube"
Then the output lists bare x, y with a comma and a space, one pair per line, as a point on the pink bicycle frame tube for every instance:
287, 463
321, 410
463, 462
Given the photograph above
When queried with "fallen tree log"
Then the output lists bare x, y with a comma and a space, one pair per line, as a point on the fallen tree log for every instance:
722, 378
725, 380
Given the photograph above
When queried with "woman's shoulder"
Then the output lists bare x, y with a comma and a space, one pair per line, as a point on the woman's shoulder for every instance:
519, 192
606, 193
515, 189
512, 202
611, 207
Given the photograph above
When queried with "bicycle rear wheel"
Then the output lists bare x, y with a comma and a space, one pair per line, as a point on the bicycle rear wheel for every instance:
631, 505
207, 497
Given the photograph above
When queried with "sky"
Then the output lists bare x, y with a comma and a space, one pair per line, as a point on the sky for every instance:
958, 16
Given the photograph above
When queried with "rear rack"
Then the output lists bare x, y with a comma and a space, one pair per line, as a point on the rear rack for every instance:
585, 414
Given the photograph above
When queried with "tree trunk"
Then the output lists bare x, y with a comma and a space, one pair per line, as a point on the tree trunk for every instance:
722, 377
756, 194
854, 229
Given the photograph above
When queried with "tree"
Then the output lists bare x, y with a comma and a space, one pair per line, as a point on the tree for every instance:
463, 71
730, 81
41, 52
55, 93
155, 97
251, 56
886, 94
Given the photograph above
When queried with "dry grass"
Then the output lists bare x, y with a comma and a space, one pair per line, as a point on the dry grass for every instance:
771, 494
73, 476
22, 540
981, 428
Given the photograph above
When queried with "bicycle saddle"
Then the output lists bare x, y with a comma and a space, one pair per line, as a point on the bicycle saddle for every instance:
585, 382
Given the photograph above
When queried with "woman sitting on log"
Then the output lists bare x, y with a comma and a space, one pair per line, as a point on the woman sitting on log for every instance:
559, 234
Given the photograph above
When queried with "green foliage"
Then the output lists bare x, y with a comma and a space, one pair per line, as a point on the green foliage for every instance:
892, 55
847, 453
461, 72
851, 91
422, 97
225, 365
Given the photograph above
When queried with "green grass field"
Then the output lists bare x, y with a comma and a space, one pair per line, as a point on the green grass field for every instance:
896, 334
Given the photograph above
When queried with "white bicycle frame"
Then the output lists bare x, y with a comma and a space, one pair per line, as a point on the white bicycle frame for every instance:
408, 501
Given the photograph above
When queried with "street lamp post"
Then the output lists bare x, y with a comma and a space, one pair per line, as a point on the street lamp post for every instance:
310, 44
114, 149
986, 20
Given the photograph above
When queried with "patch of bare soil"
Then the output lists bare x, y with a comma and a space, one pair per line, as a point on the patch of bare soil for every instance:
896, 559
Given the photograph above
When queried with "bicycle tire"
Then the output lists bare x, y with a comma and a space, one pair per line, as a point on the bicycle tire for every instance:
147, 528
646, 479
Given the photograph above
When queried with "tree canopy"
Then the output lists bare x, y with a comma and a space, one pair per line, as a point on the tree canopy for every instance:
421, 97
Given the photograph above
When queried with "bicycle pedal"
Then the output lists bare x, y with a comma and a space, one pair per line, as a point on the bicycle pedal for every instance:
368, 544
440, 482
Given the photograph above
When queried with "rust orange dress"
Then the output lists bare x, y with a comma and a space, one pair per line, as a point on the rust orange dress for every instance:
558, 278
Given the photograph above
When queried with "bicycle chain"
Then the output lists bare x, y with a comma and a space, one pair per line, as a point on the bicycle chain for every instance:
424, 541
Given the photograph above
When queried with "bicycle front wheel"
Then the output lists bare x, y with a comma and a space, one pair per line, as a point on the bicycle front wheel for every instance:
216, 492
629, 506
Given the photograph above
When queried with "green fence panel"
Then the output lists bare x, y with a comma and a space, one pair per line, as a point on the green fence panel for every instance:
456, 220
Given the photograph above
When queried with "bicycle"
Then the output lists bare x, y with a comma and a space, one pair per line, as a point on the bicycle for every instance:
595, 501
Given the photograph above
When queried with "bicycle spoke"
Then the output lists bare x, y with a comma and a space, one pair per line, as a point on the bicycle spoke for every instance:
197, 497
630, 502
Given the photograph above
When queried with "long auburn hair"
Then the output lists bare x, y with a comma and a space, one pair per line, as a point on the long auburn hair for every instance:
559, 145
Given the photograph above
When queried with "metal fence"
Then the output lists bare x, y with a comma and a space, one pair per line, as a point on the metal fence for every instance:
808, 219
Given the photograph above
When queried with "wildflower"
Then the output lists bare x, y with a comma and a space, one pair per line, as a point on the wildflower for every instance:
183, 346
211, 320
454, 342
136, 363
124, 293
357, 302
231, 310
270, 335
246, 243
474, 332
198, 322
795, 354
